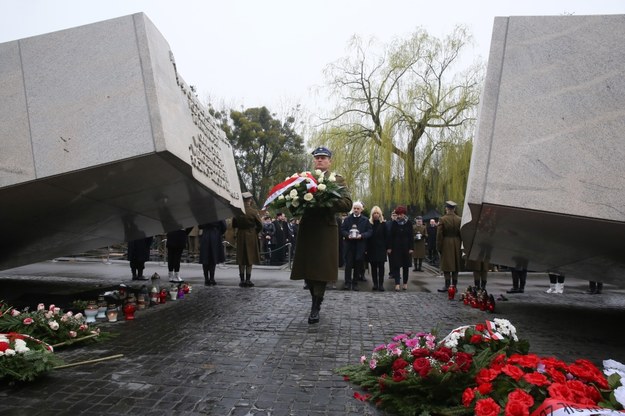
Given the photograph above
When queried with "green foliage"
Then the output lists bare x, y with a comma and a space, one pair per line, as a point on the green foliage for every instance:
266, 150
27, 366
46, 325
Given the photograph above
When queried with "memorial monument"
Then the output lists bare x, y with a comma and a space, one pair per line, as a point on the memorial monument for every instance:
546, 187
103, 142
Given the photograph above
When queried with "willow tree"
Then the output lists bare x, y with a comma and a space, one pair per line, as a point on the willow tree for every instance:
402, 105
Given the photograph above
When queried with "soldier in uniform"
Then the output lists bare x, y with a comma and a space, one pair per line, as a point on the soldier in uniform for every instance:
317, 256
420, 233
449, 245
247, 227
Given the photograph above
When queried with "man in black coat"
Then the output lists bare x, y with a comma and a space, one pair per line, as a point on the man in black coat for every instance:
356, 229
431, 241
281, 237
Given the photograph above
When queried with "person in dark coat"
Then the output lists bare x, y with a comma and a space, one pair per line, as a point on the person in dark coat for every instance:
212, 251
317, 257
176, 243
431, 242
280, 238
399, 247
376, 248
138, 254
266, 238
388, 233
480, 272
356, 230
449, 245
247, 226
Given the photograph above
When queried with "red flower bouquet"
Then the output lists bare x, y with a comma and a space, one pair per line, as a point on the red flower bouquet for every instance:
484, 370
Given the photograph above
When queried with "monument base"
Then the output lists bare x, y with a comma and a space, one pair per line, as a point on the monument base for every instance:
579, 247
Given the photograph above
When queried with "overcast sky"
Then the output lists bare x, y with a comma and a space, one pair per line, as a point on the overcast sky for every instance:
272, 52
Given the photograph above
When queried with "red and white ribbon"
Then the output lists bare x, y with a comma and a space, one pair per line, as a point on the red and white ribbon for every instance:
281, 188
554, 407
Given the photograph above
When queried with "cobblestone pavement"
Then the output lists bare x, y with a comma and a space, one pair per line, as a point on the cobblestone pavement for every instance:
225, 350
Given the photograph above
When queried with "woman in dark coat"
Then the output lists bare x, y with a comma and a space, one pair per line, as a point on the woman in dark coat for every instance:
212, 249
177, 241
376, 248
399, 247
138, 254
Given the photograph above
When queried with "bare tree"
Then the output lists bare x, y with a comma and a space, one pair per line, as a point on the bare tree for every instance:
403, 106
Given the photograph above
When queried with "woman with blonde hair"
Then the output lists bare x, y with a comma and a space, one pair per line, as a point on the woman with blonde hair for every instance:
376, 248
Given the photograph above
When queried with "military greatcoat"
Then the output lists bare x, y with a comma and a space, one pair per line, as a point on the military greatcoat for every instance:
419, 243
247, 226
317, 255
448, 242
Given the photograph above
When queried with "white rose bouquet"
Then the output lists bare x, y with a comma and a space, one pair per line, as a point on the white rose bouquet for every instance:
305, 190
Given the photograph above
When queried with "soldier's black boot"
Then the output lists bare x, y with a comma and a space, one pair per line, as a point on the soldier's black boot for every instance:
248, 281
419, 265
313, 318
242, 283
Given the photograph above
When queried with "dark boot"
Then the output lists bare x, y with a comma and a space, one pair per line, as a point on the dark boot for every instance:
444, 289
248, 281
476, 283
419, 265
592, 288
314, 310
416, 267
134, 274
242, 283
599, 288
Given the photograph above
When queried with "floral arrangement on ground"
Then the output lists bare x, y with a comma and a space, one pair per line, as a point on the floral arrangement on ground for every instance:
28, 339
482, 369
303, 191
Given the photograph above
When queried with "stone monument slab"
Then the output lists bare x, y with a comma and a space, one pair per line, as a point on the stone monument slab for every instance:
103, 142
546, 186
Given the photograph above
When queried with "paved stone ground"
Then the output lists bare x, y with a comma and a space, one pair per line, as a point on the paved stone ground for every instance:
226, 350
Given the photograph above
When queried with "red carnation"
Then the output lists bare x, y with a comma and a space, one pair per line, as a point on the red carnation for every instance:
487, 407
513, 371
485, 388
463, 360
467, 396
536, 379
529, 360
486, 375
521, 396
476, 339
4, 346
560, 391
480, 327
556, 375
514, 408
